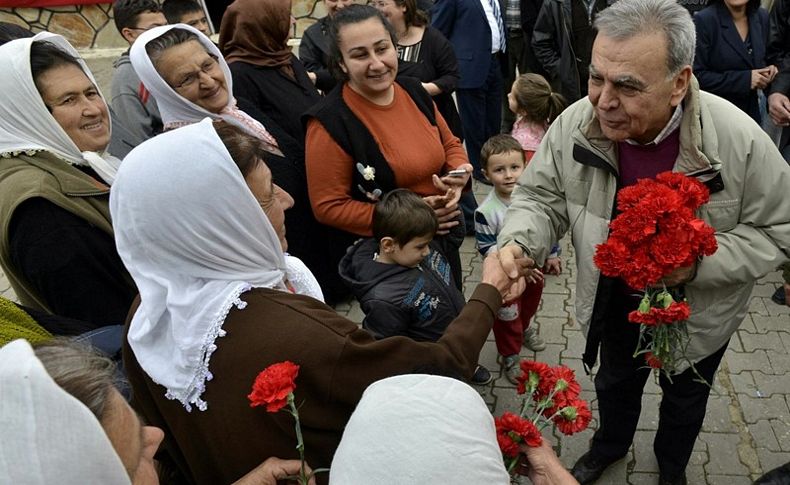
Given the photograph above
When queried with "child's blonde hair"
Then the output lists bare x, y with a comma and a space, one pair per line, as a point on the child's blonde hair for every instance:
535, 99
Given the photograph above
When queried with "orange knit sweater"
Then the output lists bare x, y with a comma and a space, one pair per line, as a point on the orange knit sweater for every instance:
413, 147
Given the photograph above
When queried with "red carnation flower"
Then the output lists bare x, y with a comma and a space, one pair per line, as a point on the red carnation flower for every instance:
676, 312
653, 361
520, 430
534, 375
273, 385
573, 418
507, 445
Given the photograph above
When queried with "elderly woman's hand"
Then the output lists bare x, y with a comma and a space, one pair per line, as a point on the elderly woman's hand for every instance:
274, 470
446, 209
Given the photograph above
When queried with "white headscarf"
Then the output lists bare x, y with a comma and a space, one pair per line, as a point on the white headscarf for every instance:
46, 435
194, 238
26, 124
178, 111
419, 429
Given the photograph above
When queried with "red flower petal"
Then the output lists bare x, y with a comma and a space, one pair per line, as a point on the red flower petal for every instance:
273, 385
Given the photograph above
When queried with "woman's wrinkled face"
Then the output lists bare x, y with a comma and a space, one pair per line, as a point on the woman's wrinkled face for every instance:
273, 200
76, 105
195, 74
369, 57
134, 443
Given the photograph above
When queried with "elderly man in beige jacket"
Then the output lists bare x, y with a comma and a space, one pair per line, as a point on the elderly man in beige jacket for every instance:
645, 114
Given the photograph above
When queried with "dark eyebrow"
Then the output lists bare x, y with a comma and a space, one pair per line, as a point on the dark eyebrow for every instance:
629, 82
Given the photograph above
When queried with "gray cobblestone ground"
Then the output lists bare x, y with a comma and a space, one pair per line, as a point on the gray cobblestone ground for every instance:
747, 428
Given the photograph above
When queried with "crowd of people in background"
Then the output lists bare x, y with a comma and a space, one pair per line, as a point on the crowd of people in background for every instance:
199, 223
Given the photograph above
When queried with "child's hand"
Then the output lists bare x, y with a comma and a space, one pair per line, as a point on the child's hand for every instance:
553, 266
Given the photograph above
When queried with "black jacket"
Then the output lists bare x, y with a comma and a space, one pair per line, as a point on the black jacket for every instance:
314, 54
283, 99
552, 43
398, 301
722, 64
779, 33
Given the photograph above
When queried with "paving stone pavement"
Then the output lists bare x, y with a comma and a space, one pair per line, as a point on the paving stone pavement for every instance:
747, 427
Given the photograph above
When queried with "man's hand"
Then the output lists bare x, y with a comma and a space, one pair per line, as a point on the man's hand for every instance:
779, 109
678, 276
513, 260
543, 467
495, 275
273, 470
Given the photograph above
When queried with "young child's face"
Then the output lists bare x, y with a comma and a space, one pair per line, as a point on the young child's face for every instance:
503, 171
411, 253
196, 19
511, 100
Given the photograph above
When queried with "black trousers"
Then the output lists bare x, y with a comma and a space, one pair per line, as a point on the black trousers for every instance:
619, 385
481, 112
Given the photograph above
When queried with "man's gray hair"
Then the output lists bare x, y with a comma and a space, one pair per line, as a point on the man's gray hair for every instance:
626, 19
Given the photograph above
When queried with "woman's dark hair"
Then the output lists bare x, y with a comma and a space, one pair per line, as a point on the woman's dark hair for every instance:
536, 100
173, 37
246, 150
413, 16
45, 56
9, 32
353, 14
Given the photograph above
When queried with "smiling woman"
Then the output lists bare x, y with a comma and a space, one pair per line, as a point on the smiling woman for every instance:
374, 134
190, 81
57, 245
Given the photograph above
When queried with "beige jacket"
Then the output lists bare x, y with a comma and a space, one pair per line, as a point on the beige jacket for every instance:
571, 182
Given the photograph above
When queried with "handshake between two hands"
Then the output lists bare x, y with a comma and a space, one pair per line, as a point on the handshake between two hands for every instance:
509, 270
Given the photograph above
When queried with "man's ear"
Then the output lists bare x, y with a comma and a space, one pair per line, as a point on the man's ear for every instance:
680, 85
388, 245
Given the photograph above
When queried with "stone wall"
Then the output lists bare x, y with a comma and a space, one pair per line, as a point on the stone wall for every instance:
83, 25
91, 26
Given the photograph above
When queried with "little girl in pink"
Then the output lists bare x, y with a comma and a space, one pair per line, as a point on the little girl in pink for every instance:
535, 106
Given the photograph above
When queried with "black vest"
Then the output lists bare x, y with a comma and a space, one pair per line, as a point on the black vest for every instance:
355, 139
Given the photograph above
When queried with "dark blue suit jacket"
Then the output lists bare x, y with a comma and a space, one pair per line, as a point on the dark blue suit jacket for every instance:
722, 64
464, 24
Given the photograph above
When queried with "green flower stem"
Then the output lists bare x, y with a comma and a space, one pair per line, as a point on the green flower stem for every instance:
303, 478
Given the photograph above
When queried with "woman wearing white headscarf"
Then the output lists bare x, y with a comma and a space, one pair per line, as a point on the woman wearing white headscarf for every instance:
190, 80
62, 421
46, 435
202, 235
56, 239
419, 429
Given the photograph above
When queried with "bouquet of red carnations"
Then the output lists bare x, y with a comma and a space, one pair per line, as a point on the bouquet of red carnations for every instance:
655, 233
551, 396
274, 388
